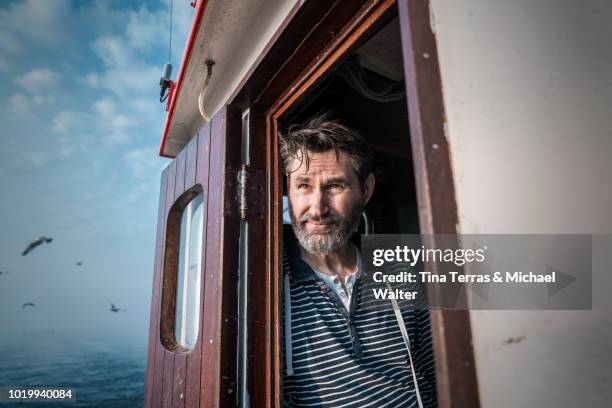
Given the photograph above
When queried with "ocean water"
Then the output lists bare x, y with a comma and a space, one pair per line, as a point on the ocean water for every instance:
104, 372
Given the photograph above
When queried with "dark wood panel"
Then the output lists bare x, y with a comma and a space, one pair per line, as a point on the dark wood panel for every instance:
190, 166
194, 357
177, 169
181, 162
258, 327
274, 288
168, 378
176, 376
180, 359
219, 335
155, 296
209, 386
203, 160
158, 370
230, 239
452, 338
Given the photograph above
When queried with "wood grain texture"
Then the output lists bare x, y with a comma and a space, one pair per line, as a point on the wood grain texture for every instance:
194, 357
274, 290
205, 375
191, 163
158, 367
451, 329
209, 386
180, 359
219, 334
169, 279
258, 325
173, 374
155, 296
181, 162
230, 240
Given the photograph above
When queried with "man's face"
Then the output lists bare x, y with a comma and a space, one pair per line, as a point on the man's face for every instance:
326, 202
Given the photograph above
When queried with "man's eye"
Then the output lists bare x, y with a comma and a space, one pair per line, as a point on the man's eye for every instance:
335, 186
302, 185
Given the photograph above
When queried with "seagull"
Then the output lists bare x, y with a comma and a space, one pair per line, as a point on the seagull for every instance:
4, 273
115, 309
28, 304
79, 263
36, 242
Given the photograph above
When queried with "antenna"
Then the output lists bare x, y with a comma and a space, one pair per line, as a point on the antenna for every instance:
165, 82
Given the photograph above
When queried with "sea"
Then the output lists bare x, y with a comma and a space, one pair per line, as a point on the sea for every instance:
104, 372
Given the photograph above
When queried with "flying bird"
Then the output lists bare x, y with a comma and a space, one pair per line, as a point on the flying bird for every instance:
28, 304
115, 309
36, 242
79, 263
4, 273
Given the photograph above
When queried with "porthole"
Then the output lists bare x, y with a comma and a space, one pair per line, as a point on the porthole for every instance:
187, 314
182, 282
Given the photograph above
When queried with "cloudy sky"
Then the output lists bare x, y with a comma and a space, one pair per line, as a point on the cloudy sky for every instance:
81, 125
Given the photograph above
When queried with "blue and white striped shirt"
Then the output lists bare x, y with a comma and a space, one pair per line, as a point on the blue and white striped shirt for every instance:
354, 358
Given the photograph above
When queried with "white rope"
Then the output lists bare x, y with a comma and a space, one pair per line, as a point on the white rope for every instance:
288, 340
400, 321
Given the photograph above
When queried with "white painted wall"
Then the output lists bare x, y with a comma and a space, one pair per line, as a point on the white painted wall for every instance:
528, 96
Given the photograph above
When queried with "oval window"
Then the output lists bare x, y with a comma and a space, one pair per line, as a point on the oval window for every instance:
188, 275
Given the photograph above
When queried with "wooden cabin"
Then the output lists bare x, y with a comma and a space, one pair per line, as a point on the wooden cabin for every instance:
494, 119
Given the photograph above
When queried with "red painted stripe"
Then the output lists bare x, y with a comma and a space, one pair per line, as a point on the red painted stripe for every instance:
195, 28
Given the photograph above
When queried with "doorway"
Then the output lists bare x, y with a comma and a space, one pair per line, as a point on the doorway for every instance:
365, 91
304, 74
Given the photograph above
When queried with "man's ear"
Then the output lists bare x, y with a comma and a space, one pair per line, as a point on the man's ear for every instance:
368, 188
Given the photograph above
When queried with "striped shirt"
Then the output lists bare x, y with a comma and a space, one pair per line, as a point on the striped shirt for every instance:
351, 358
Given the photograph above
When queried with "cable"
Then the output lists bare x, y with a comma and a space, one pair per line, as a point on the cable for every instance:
353, 73
209, 64
165, 82
170, 41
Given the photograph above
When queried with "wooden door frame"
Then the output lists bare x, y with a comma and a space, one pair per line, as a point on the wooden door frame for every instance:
312, 39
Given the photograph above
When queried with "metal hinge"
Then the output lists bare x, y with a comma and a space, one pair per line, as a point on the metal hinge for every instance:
250, 193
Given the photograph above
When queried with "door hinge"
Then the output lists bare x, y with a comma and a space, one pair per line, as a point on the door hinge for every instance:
250, 193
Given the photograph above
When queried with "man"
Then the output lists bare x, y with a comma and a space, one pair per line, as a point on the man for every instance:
342, 347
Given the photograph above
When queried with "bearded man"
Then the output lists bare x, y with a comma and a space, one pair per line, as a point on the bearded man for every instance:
339, 352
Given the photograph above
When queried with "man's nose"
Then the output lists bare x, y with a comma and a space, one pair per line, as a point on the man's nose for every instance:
318, 204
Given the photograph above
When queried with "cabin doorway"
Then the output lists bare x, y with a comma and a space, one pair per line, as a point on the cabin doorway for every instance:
379, 75
365, 91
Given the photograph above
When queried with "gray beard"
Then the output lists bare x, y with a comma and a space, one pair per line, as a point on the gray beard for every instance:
340, 231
